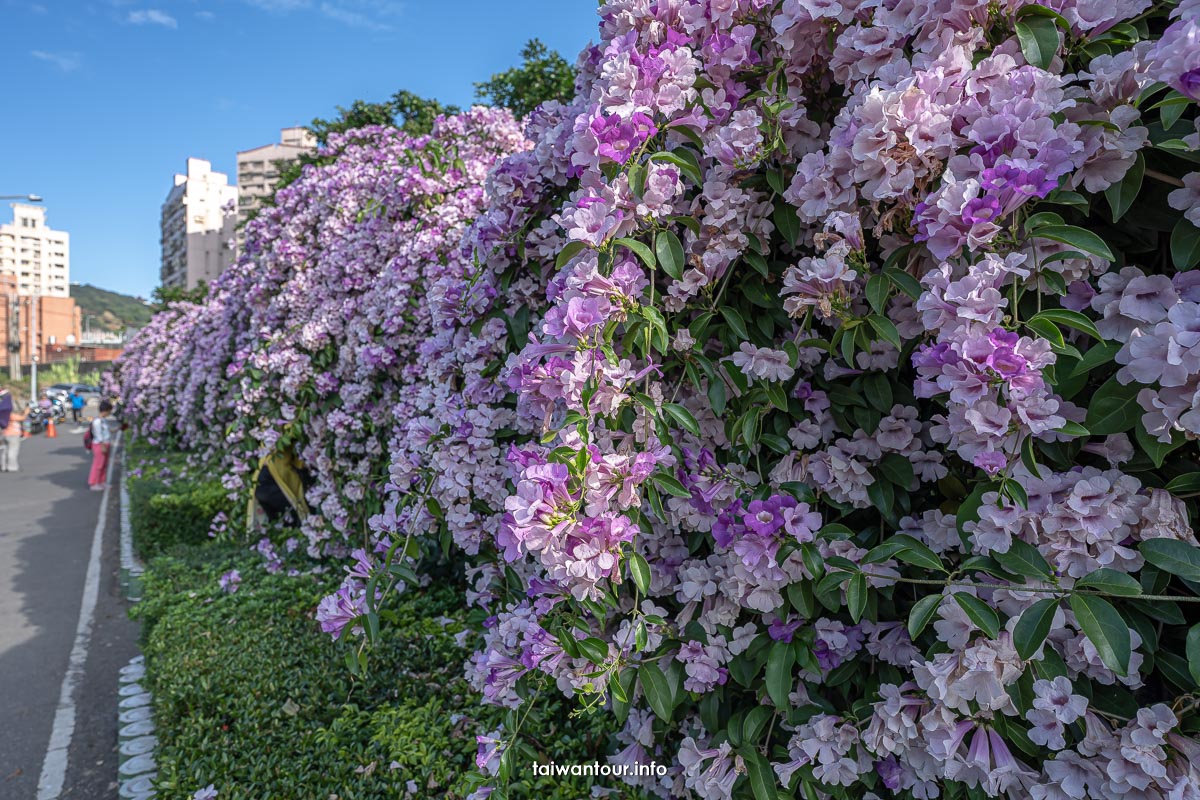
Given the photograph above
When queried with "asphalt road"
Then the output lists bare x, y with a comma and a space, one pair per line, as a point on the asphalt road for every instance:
47, 523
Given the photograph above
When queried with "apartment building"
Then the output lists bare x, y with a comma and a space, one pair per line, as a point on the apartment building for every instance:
258, 171
198, 220
37, 256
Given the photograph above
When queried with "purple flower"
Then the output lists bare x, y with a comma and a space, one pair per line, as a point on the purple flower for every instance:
230, 581
618, 137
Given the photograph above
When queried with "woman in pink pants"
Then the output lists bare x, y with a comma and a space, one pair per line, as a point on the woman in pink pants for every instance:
102, 438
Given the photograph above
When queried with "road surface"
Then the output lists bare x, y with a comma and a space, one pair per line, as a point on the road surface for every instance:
48, 521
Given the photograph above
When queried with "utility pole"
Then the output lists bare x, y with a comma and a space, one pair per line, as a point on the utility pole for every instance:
33, 345
14, 337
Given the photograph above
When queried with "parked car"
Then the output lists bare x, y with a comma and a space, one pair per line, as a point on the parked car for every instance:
61, 390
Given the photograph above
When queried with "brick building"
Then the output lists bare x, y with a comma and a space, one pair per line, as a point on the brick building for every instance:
55, 336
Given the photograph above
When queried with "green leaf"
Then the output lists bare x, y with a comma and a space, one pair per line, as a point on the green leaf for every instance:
683, 417
904, 282
1176, 557
1109, 581
877, 388
1072, 319
1074, 429
1185, 245
922, 612
1097, 355
917, 553
684, 159
1101, 623
897, 469
886, 330
878, 289
856, 596
669, 250
622, 688
669, 485
762, 777
1079, 238
1042, 11
1192, 649
980, 613
1039, 40
758, 262
1024, 559
1028, 458
717, 396
1171, 109
882, 496
735, 321
567, 253
1183, 485
1047, 330
1121, 195
777, 396
756, 720
657, 690
595, 650
639, 248
1034, 626
1156, 450
779, 678
639, 570
1114, 408
786, 221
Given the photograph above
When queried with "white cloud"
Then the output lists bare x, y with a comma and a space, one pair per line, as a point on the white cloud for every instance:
67, 62
375, 15
280, 5
207, 16
352, 18
152, 16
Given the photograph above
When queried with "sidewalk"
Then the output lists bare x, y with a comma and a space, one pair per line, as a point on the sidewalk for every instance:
48, 521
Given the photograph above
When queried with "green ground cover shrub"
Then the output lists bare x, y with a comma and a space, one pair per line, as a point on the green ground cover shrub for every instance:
168, 505
251, 698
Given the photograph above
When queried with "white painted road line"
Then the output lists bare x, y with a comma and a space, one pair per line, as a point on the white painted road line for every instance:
54, 767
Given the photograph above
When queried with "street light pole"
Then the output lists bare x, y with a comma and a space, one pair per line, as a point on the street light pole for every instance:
33, 348
13, 339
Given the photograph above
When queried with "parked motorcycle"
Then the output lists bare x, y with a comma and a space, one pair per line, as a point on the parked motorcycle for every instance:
36, 419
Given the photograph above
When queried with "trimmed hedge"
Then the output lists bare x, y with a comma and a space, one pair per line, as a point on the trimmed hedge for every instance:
166, 514
250, 698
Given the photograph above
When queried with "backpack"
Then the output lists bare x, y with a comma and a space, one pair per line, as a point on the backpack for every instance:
87, 440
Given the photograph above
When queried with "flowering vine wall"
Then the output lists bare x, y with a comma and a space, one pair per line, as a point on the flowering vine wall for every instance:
817, 392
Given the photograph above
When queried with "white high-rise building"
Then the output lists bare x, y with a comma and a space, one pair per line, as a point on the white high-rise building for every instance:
198, 219
258, 170
37, 256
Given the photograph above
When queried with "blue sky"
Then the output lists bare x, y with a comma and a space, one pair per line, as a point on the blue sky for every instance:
105, 99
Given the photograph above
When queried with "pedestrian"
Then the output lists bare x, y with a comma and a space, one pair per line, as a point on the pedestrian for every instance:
76, 406
10, 432
102, 437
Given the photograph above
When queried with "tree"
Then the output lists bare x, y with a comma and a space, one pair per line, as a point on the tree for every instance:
543, 75
165, 295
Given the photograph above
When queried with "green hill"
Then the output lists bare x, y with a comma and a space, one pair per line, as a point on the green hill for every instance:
111, 311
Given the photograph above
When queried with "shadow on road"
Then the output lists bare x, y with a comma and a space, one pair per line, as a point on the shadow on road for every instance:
47, 521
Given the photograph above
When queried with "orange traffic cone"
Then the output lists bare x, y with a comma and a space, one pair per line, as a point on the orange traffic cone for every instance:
51, 433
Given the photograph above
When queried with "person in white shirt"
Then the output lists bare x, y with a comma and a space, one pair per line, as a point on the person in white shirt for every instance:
102, 438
